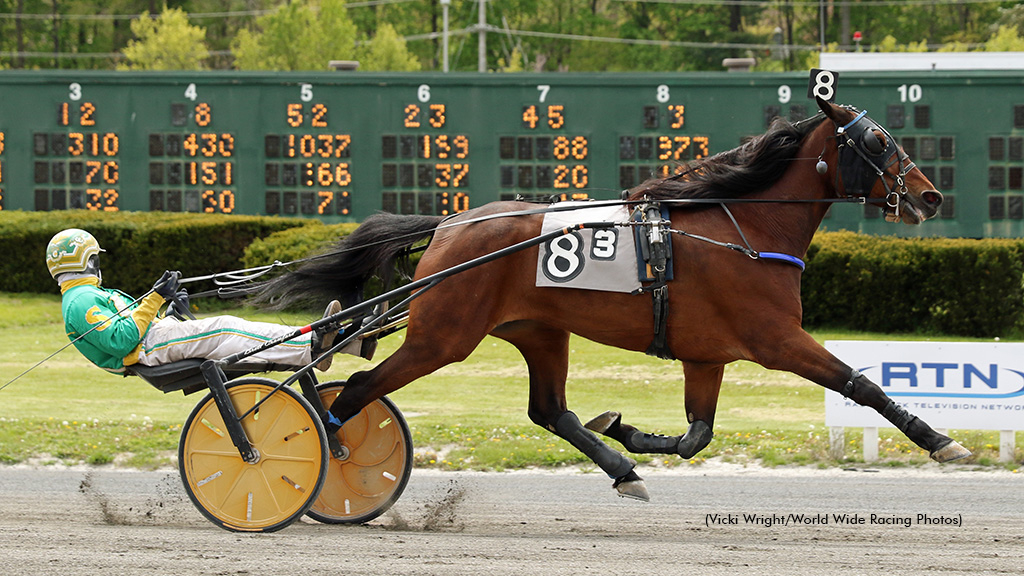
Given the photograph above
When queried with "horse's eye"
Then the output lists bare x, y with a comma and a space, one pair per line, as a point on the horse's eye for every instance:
873, 143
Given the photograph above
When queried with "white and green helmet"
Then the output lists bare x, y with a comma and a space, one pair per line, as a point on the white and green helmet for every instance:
70, 250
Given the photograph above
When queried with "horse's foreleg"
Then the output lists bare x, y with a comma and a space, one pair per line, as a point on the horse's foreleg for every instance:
703, 383
546, 351
803, 356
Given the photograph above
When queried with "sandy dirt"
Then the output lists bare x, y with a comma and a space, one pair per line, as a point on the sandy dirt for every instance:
711, 519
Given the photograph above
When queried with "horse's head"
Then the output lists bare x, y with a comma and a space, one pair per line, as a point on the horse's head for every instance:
872, 165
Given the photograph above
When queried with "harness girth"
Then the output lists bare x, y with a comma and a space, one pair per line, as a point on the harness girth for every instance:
654, 243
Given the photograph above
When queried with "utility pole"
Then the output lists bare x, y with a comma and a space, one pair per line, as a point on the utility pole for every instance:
481, 30
444, 34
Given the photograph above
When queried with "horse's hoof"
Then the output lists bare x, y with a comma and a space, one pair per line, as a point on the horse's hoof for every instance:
635, 489
602, 423
950, 452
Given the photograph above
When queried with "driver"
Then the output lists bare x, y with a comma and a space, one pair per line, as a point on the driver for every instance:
124, 334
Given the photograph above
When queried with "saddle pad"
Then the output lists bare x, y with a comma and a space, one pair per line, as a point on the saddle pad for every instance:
602, 259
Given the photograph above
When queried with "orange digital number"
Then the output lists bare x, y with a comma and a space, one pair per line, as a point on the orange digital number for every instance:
209, 144
701, 145
87, 110
111, 144
93, 169
437, 117
579, 148
319, 119
227, 174
341, 143
226, 147
442, 146
226, 201
556, 116
342, 176
325, 175
294, 115
676, 112
412, 116
204, 114
561, 148
1, 142
461, 144
530, 117
326, 197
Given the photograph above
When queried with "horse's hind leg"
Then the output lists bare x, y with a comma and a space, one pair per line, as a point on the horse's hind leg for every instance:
546, 351
703, 383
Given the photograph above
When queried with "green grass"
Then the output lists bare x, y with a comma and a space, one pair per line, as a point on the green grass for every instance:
470, 415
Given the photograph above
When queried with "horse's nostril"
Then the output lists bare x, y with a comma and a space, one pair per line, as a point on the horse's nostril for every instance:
932, 197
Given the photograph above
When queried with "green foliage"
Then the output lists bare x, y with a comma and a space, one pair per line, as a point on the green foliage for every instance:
168, 42
938, 286
306, 34
294, 243
1006, 39
139, 246
387, 53
890, 44
297, 36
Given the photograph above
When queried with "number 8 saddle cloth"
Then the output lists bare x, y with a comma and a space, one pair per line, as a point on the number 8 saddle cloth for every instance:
589, 259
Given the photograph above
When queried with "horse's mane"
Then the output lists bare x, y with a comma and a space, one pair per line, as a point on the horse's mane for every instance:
752, 167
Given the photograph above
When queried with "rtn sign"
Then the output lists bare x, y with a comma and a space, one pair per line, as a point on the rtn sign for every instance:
950, 384
948, 379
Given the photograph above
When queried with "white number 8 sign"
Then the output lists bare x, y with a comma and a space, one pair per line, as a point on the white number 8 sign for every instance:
822, 85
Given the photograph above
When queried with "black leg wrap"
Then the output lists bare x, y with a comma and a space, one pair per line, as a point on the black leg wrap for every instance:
898, 415
613, 463
641, 443
697, 437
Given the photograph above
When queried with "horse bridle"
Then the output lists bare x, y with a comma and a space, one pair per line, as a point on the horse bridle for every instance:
862, 157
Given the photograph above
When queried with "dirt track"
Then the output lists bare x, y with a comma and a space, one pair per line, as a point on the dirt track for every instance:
95, 521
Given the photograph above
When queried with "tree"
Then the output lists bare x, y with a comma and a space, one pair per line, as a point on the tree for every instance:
1006, 39
167, 42
387, 52
297, 36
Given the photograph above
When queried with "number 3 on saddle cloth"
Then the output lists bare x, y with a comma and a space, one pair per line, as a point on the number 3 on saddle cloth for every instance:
607, 259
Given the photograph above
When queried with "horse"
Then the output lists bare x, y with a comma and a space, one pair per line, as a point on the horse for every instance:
771, 192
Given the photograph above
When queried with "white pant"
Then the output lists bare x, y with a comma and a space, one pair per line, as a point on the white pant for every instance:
218, 337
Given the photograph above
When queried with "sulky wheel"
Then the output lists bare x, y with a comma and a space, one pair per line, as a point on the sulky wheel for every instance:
281, 485
375, 469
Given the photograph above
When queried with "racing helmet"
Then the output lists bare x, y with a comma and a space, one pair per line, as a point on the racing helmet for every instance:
70, 251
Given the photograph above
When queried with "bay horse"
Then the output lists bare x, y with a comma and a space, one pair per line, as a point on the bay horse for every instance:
724, 306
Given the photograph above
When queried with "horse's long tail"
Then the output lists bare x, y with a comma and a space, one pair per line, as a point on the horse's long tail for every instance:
372, 250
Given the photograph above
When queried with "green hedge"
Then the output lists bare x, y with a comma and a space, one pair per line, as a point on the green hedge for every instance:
295, 243
139, 245
935, 285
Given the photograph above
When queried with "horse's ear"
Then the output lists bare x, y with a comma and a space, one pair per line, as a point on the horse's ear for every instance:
829, 109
